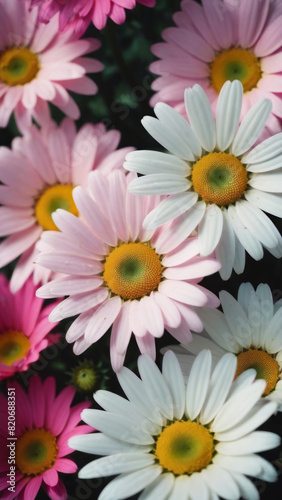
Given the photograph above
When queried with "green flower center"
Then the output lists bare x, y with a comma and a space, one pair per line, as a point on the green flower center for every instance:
184, 447
235, 64
132, 270
36, 452
18, 66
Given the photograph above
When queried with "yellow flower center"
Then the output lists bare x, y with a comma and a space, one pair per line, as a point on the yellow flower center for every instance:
219, 178
184, 447
132, 270
58, 196
14, 345
265, 365
36, 452
18, 66
235, 64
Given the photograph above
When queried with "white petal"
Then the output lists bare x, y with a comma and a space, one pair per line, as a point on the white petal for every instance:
155, 386
221, 482
216, 325
236, 318
101, 444
159, 488
170, 208
245, 379
271, 181
251, 127
273, 334
256, 416
159, 184
179, 127
228, 113
116, 464
236, 408
244, 464
152, 162
257, 223
121, 427
264, 151
200, 116
180, 488
255, 442
247, 488
266, 166
126, 485
198, 383
247, 240
180, 228
133, 388
168, 137
219, 386
225, 250
198, 489
210, 229
240, 257
271, 203
174, 379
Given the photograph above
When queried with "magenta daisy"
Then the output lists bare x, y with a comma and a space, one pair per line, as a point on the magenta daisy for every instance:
38, 176
44, 424
77, 14
219, 41
38, 64
116, 273
24, 328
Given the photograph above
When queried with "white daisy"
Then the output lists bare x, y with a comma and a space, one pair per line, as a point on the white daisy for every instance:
212, 179
177, 443
251, 328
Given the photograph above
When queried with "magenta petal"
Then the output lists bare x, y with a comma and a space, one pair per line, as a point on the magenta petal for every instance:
65, 465
32, 488
57, 492
50, 477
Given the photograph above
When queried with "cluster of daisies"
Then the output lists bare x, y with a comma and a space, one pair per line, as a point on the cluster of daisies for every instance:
105, 247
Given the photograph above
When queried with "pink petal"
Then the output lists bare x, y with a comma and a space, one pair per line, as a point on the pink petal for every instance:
17, 243
59, 412
171, 314
183, 292
147, 345
32, 488
121, 330
103, 317
152, 316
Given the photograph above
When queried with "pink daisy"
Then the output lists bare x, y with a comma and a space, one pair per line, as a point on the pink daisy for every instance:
116, 273
38, 176
24, 328
39, 64
76, 15
44, 423
222, 40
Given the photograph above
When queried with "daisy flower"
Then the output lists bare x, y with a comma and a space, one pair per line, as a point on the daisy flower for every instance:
116, 273
212, 178
38, 176
44, 423
38, 64
77, 14
24, 328
219, 41
175, 443
251, 328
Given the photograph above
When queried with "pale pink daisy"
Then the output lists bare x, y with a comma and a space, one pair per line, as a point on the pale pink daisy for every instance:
219, 41
43, 425
38, 176
214, 179
39, 64
117, 274
77, 14
24, 328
